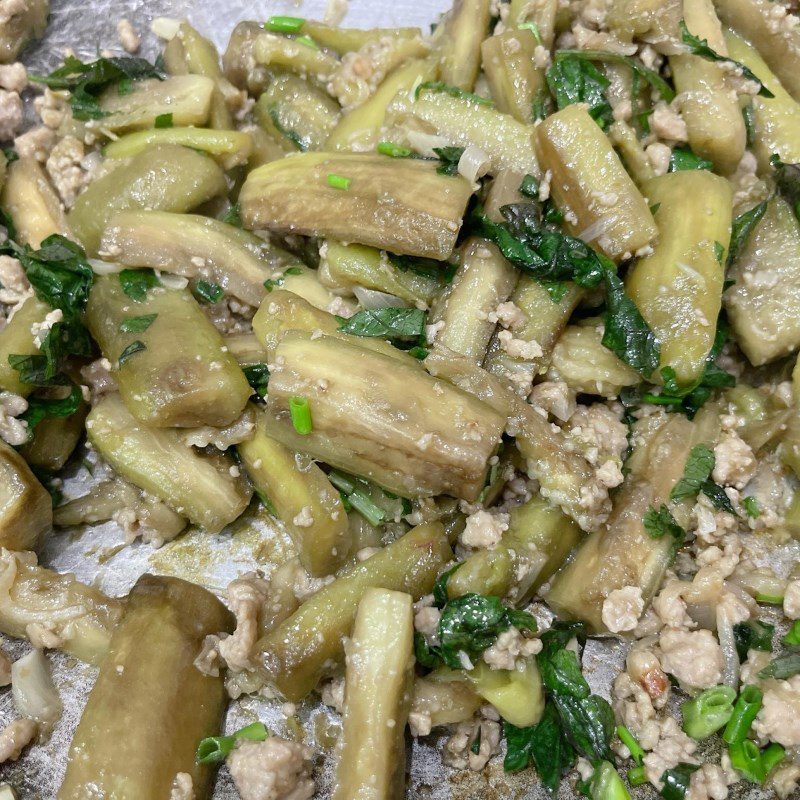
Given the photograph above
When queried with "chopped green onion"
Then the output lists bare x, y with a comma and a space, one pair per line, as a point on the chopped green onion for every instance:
301, 415
163, 121
637, 776
342, 482
393, 150
708, 712
281, 24
214, 749
744, 712
792, 638
751, 507
746, 759
769, 599
375, 515
629, 740
307, 41
607, 785
338, 182
772, 756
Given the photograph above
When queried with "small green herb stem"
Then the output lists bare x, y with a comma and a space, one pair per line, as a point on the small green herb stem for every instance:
744, 712
769, 599
301, 415
374, 514
746, 759
282, 24
629, 740
708, 712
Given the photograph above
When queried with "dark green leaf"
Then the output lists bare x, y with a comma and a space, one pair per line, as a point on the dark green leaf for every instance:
232, 216
530, 187
136, 282
719, 252
700, 47
40, 407
453, 91
588, 724
440, 587
208, 292
752, 635
163, 121
792, 637
684, 159
676, 781
300, 142
559, 667
748, 113
87, 81
427, 267
449, 158
782, 667
424, 653
699, 466
522, 620
137, 324
651, 76
742, 228
787, 179
387, 323
258, 377
576, 80
716, 494
751, 507
470, 624
130, 350
658, 522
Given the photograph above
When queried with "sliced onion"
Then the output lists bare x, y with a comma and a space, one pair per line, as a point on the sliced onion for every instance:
371, 299
424, 143
35, 695
730, 658
172, 281
104, 267
165, 28
596, 229
474, 163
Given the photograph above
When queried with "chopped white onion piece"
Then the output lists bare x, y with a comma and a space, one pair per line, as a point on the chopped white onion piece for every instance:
371, 299
104, 267
172, 281
727, 642
424, 143
165, 27
7, 793
35, 695
596, 229
474, 163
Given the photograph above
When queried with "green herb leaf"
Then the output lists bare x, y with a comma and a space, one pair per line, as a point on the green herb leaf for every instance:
131, 350
137, 324
684, 159
700, 47
574, 79
387, 323
676, 781
787, 179
470, 624
782, 667
699, 466
258, 377
651, 76
453, 91
530, 187
208, 292
719, 499
449, 158
232, 216
136, 282
588, 724
39, 407
658, 522
440, 587
427, 267
748, 113
792, 638
559, 667
300, 142
87, 81
163, 121
742, 228
752, 635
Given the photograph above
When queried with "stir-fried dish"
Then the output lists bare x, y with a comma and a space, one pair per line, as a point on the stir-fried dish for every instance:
496, 322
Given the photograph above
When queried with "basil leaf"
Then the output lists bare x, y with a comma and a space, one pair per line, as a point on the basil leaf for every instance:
163, 121
752, 635
387, 323
136, 282
684, 159
427, 267
700, 47
300, 142
449, 158
787, 179
558, 666
659, 522
130, 350
470, 624
574, 79
716, 494
588, 723
137, 324
232, 216
696, 472
782, 667
676, 781
440, 587
39, 408
742, 228
258, 377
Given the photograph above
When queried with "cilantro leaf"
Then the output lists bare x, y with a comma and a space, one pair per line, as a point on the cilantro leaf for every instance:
684, 159
137, 324
87, 81
136, 282
696, 472
453, 91
573, 79
658, 522
752, 635
388, 323
700, 47
651, 76
742, 228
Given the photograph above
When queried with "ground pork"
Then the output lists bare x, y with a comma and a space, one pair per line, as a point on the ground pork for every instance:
10, 115
14, 285
622, 609
555, 397
708, 783
457, 751
246, 596
275, 769
332, 693
510, 646
791, 600
598, 433
484, 529
666, 123
785, 779
509, 315
128, 37
519, 348
673, 747
634, 709
182, 787
13, 77
735, 463
35, 143
63, 165
13, 431
693, 657
779, 717
15, 737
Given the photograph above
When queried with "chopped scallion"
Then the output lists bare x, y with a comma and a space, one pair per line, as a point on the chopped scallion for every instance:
214, 749
744, 712
746, 759
374, 514
282, 24
629, 740
301, 415
708, 712
338, 182
393, 150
